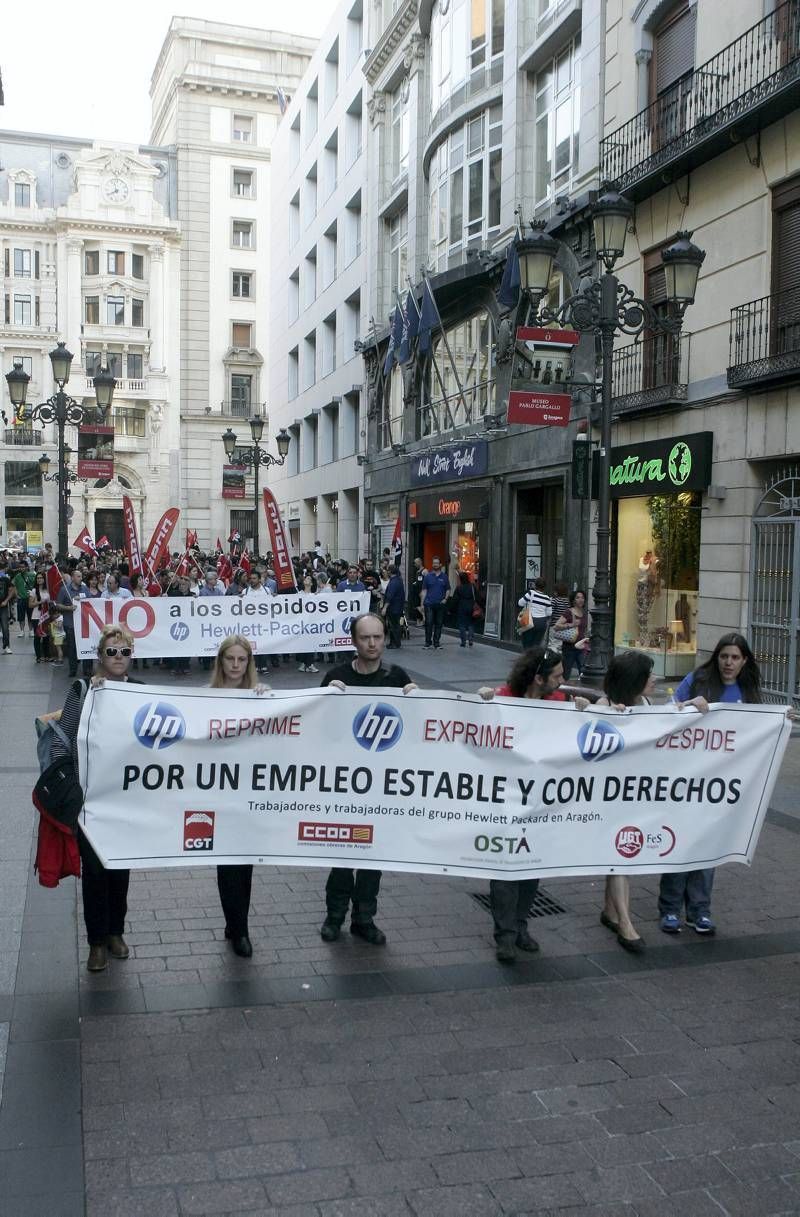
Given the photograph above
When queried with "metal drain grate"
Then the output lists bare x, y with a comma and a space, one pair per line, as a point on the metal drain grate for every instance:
542, 905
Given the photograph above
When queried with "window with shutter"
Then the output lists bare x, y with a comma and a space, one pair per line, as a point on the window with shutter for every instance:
659, 350
36, 265
671, 73
785, 305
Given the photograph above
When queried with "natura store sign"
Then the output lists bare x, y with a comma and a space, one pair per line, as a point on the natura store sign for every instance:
452, 464
663, 466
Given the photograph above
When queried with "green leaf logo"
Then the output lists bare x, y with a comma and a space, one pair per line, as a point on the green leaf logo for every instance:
679, 463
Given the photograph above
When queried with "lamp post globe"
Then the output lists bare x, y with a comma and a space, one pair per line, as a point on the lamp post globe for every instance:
229, 442
611, 215
17, 380
283, 440
104, 386
61, 362
536, 254
682, 261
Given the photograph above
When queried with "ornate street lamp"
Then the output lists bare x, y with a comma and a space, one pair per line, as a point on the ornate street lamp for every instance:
256, 458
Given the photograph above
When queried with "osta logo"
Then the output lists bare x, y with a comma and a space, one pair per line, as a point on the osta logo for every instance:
598, 739
198, 830
629, 841
310, 832
157, 725
377, 727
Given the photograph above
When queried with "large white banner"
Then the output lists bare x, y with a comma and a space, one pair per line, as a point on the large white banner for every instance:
434, 782
196, 625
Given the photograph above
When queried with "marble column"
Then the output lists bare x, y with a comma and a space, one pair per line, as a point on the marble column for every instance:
156, 307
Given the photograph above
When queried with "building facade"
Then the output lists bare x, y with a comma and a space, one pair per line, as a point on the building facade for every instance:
217, 92
90, 255
478, 120
318, 296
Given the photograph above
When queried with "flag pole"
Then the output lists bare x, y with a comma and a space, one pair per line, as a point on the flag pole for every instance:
445, 396
467, 411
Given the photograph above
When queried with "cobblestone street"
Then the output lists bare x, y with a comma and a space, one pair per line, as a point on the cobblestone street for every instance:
420, 1079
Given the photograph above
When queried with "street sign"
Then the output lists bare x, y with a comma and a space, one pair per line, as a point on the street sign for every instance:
539, 409
70, 512
553, 337
581, 466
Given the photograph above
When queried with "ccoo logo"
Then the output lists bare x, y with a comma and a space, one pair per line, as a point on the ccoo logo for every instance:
158, 724
597, 740
179, 630
377, 727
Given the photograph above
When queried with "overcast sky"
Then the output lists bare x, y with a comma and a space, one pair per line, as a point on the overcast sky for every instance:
84, 69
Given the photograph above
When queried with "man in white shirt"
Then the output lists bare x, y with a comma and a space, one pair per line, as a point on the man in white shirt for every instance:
114, 591
256, 588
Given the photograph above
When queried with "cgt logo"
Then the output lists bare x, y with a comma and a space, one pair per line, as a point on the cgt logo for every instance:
629, 841
377, 727
198, 830
309, 832
179, 630
597, 740
157, 725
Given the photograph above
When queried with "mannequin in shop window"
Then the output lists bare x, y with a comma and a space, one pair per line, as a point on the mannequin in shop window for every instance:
647, 588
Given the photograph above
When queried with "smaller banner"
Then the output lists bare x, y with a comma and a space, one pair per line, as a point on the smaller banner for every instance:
95, 451
233, 481
158, 549
281, 561
35, 541
131, 537
17, 539
196, 625
397, 543
553, 337
84, 542
103, 543
539, 409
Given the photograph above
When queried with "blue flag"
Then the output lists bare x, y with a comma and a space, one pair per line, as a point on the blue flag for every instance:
509, 285
413, 317
428, 318
404, 350
395, 338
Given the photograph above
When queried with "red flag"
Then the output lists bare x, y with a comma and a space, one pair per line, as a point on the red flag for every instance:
158, 548
225, 569
219, 546
84, 542
191, 538
397, 543
245, 564
103, 543
55, 581
131, 537
284, 570
182, 569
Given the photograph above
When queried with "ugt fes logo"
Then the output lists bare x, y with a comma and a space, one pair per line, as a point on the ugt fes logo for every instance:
158, 724
598, 739
377, 727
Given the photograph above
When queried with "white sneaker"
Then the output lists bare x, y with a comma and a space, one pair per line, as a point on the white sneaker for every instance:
7, 651
312, 668
301, 667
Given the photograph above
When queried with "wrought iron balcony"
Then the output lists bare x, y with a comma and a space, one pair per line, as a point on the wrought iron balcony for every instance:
744, 87
765, 340
24, 436
651, 374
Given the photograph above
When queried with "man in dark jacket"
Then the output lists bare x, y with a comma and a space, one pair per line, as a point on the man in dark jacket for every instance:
394, 598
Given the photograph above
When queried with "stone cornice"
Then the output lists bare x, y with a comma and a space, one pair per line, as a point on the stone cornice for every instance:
391, 38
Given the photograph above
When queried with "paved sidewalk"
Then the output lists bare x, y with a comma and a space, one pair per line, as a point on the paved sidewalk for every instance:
420, 1079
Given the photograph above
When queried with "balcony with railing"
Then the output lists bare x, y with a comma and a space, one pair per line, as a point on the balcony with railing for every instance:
765, 340
23, 436
750, 83
125, 386
651, 374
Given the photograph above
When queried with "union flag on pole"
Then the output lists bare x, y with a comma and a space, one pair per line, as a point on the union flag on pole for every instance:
397, 543
84, 542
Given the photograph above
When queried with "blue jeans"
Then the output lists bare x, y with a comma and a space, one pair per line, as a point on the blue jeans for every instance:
690, 887
434, 620
4, 625
571, 655
466, 628
536, 634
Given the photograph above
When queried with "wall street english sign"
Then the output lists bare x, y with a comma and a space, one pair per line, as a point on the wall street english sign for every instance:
452, 464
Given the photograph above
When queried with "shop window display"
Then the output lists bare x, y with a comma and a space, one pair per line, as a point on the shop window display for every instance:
658, 562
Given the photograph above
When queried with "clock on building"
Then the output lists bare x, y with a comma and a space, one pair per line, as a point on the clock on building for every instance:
116, 189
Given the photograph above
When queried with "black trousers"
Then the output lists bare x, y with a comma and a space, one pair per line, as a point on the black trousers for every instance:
105, 896
434, 620
361, 886
234, 883
393, 621
510, 900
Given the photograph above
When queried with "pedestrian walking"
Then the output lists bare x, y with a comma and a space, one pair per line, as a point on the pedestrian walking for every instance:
68, 600
570, 630
234, 668
8, 594
394, 599
466, 602
105, 892
346, 887
731, 675
39, 600
435, 589
536, 674
536, 609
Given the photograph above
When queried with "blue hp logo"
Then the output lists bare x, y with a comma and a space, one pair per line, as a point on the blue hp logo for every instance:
377, 727
346, 624
597, 740
158, 724
179, 630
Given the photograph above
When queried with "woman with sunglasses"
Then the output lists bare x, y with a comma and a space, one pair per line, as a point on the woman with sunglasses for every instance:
105, 892
235, 668
536, 674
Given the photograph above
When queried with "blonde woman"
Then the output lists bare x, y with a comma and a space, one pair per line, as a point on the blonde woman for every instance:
235, 668
105, 892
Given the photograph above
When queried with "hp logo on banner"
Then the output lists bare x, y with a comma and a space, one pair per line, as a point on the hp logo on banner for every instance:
377, 727
179, 630
158, 724
597, 740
